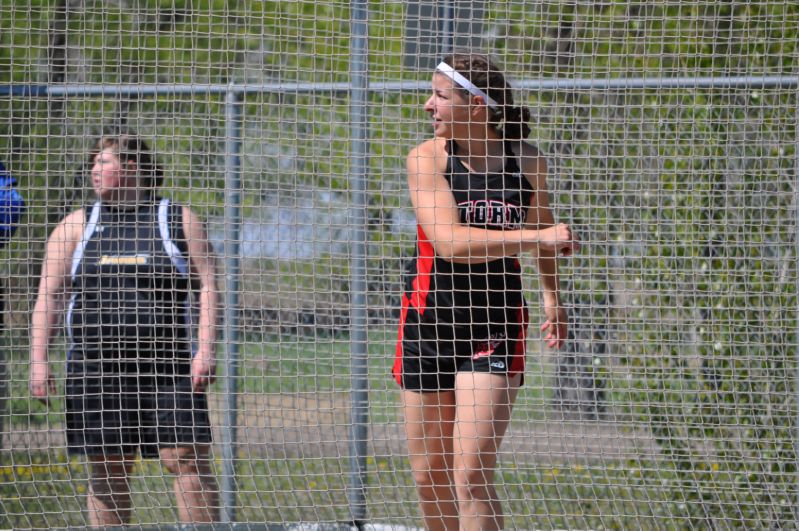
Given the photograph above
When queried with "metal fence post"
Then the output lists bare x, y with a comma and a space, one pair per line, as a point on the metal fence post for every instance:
359, 100
796, 308
232, 228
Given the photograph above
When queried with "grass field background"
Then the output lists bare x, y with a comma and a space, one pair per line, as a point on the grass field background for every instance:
44, 488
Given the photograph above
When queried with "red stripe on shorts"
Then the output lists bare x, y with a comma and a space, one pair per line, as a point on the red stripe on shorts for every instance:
397, 369
424, 265
518, 361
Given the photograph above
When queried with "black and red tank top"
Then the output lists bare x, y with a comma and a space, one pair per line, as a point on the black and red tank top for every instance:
482, 293
131, 287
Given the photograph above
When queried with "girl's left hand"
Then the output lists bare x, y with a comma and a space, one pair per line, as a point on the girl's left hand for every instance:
556, 327
203, 372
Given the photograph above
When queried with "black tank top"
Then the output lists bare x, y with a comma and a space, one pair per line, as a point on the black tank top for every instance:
130, 286
482, 293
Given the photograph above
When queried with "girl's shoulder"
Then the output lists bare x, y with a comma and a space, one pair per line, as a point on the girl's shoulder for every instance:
524, 149
430, 156
74, 221
431, 147
69, 231
531, 162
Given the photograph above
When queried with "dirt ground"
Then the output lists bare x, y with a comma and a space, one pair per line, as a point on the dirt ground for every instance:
313, 425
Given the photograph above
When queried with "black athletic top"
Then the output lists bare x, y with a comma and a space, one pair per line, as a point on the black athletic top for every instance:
130, 287
473, 294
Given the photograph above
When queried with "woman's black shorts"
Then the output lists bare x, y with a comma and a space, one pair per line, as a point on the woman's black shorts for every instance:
120, 413
429, 355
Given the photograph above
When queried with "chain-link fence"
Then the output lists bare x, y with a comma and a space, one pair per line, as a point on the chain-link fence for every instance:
670, 133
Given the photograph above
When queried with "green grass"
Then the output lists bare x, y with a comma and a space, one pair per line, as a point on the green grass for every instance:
47, 489
297, 365
277, 365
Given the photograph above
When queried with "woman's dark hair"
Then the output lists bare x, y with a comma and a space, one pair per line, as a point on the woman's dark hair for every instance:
510, 120
130, 147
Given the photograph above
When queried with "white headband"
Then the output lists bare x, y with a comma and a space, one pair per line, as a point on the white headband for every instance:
455, 76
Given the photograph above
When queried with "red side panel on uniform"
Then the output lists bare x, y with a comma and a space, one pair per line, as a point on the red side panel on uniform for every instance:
418, 298
397, 369
517, 364
424, 265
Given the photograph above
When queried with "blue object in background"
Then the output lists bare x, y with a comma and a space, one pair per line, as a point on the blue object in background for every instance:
12, 206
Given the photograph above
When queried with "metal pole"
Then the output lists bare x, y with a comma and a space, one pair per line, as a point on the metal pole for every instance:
616, 83
232, 222
359, 75
796, 340
448, 27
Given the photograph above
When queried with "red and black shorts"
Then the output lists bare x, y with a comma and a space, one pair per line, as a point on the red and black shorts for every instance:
429, 355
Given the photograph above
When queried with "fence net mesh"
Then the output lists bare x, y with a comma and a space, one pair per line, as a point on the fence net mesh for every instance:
672, 404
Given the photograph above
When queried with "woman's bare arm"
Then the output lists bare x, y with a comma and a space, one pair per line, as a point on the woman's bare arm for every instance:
50, 299
539, 216
437, 214
203, 265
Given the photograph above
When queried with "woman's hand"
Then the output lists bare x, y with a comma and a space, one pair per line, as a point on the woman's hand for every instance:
559, 238
203, 371
41, 382
556, 327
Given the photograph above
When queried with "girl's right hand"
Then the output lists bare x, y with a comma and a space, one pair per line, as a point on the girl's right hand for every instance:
41, 383
560, 239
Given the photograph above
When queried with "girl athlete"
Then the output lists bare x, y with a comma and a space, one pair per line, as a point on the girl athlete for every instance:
480, 197
128, 266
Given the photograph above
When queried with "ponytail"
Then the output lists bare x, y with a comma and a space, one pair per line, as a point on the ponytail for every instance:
516, 123
476, 74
